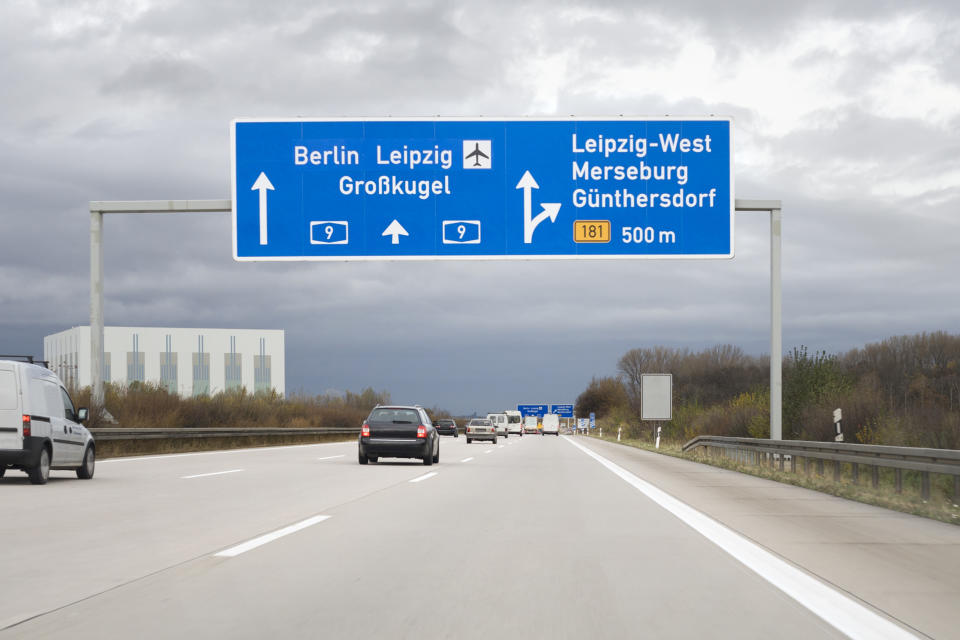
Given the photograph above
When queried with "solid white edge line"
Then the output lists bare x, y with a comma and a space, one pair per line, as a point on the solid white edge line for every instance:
331, 457
269, 537
215, 473
425, 476
467, 459
489, 451
837, 609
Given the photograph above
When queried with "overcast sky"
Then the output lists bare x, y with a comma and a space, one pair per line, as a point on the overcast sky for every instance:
847, 111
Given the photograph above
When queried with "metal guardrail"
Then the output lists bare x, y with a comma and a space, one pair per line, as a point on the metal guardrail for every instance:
111, 433
900, 459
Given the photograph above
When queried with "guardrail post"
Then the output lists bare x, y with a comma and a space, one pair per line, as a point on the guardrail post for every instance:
819, 466
855, 472
925, 485
898, 480
836, 471
875, 476
781, 462
956, 490
806, 466
793, 464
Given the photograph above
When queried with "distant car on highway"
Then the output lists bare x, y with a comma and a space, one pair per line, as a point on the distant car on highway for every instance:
499, 421
514, 422
40, 429
446, 427
550, 424
398, 432
531, 424
481, 429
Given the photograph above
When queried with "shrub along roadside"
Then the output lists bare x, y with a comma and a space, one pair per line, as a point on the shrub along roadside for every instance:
939, 507
155, 446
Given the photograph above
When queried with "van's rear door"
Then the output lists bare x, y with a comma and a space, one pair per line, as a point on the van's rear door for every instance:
11, 419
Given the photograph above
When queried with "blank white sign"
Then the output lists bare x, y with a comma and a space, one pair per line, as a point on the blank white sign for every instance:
656, 396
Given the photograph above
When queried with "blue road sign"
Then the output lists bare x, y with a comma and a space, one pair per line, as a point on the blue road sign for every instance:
562, 410
538, 410
480, 189
593, 420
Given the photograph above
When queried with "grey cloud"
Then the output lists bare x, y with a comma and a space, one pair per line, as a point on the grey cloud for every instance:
160, 76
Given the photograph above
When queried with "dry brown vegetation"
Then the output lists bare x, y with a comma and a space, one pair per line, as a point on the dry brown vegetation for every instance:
146, 405
902, 391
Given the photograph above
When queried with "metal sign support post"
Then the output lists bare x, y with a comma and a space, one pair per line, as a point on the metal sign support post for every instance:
776, 310
97, 209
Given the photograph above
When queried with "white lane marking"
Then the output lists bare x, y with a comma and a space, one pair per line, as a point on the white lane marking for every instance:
331, 457
489, 451
207, 475
500, 446
467, 459
425, 476
170, 456
845, 614
269, 537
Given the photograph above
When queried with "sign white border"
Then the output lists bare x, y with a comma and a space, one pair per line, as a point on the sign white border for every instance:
398, 119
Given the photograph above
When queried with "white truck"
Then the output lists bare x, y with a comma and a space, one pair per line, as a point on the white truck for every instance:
39, 428
550, 424
514, 422
499, 421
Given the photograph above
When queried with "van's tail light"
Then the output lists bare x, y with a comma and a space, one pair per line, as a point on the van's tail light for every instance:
26, 426
365, 430
421, 431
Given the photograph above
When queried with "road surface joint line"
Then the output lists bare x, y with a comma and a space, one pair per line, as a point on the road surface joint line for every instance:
837, 609
207, 475
331, 457
269, 537
425, 476
467, 459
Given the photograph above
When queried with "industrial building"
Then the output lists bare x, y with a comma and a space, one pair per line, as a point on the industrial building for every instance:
189, 362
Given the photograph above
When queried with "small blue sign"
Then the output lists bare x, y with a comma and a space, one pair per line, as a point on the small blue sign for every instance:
425, 189
562, 410
593, 420
538, 410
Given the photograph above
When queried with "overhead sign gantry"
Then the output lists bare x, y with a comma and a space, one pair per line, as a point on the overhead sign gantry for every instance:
451, 188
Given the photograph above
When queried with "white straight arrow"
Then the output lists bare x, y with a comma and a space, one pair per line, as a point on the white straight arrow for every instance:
396, 230
261, 185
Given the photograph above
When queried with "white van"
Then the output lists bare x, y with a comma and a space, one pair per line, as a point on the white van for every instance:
531, 424
550, 424
39, 428
499, 420
514, 422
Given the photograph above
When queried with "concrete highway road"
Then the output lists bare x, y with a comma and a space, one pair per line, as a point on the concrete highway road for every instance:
535, 537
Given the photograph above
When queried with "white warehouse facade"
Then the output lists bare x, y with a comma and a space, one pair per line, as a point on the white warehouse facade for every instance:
189, 362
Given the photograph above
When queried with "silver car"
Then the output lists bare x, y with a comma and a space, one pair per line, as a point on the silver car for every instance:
481, 429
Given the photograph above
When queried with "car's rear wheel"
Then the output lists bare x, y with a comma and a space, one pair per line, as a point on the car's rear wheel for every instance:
41, 473
469, 440
85, 472
428, 459
3, 470
373, 458
494, 439
362, 459
436, 456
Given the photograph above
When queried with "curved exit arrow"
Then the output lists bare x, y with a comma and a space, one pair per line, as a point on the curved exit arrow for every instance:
550, 209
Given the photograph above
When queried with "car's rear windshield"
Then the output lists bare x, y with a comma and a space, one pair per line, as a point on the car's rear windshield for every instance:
443, 421
478, 422
513, 419
396, 416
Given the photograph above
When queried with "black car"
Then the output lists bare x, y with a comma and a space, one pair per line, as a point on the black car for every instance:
399, 432
446, 427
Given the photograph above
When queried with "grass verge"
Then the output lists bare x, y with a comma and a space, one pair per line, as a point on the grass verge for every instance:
939, 507
123, 448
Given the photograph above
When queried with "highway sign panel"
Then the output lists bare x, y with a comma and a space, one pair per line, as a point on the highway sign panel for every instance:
593, 420
656, 396
451, 188
532, 410
562, 410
